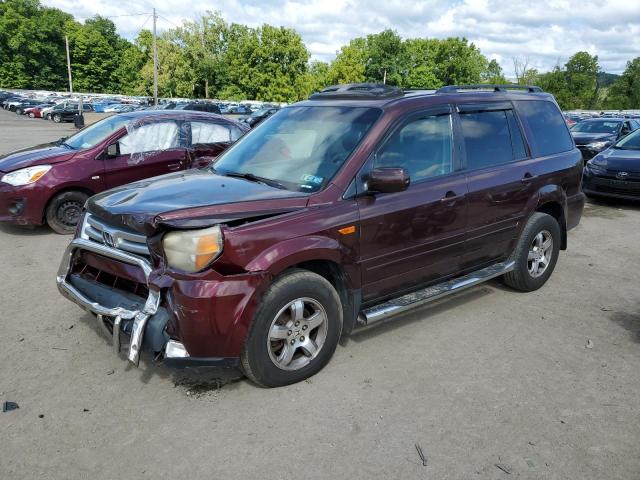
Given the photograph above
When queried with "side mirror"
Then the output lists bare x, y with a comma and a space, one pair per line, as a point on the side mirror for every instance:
388, 180
112, 150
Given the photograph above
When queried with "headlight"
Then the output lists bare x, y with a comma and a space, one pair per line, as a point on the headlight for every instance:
26, 175
598, 146
192, 250
594, 168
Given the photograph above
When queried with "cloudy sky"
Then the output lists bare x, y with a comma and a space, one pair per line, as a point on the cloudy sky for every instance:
546, 32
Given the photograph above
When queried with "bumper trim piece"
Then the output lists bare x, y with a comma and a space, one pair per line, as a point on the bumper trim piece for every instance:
139, 317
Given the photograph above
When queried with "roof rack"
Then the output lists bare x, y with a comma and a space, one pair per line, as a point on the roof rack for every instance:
495, 88
359, 91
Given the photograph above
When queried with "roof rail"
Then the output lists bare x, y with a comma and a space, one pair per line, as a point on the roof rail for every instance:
495, 88
358, 91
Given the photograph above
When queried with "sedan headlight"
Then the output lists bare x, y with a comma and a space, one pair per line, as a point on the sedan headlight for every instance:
25, 176
597, 146
192, 250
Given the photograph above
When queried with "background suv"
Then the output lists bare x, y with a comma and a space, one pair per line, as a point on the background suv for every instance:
336, 212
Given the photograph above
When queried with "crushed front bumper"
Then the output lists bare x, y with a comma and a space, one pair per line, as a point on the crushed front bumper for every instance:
123, 310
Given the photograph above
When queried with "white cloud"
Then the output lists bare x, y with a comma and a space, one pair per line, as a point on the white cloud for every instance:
547, 32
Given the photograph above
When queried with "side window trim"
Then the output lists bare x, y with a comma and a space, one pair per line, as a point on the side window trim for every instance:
447, 109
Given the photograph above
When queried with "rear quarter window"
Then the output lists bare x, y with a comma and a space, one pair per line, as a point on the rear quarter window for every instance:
546, 124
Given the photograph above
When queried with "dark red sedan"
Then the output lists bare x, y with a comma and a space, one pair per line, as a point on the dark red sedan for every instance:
50, 183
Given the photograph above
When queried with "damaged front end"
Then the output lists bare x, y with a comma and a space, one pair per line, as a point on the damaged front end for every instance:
187, 320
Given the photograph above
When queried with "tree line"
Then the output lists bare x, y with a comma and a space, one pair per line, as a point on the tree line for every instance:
212, 58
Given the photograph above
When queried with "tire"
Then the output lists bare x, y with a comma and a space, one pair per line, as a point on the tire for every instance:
32, 115
47, 116
18, 111
57, 118
64, 211
529, 275
268, 361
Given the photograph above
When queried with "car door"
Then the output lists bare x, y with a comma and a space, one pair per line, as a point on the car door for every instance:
145, 151
501, 179
415, 236
209, 138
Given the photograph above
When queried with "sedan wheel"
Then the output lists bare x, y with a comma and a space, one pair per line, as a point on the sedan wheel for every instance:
540, 253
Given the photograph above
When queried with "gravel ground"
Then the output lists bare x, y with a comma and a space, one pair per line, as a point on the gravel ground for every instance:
489, 383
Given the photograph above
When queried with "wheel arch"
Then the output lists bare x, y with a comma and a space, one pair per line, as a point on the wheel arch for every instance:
557, 211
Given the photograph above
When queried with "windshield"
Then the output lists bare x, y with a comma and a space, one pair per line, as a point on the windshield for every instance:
598, 126
94, 134
300, 148
630, 142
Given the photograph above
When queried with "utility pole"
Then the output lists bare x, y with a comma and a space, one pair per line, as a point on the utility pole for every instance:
66, 40
155, 60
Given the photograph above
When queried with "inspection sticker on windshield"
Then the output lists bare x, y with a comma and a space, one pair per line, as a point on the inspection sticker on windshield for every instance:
312, 179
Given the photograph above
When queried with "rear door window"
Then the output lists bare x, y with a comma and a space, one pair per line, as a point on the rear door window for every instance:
546, 124
210, 132
487, 138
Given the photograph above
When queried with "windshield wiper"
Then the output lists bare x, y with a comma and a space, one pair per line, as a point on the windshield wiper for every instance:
253, 178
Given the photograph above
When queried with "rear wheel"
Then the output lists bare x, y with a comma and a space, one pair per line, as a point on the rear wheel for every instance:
536, 253
64, 211
295, 330
32, 115
19, 111
57, 118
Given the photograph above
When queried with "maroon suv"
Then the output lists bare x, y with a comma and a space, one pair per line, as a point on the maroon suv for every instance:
52, 182
335, 213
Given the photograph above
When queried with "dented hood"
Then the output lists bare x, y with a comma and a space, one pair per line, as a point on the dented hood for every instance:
191, 199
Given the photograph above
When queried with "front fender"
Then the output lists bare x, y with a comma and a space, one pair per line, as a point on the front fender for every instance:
290, 252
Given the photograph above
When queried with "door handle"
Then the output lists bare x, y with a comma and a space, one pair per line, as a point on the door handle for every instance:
174, 166
450, 196
528, 177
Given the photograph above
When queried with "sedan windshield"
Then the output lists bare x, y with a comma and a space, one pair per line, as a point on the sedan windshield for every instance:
299, 148
630, 142
596, 126
94, 134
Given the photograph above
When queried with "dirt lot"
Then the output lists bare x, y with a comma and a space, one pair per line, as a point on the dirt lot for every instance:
543, 385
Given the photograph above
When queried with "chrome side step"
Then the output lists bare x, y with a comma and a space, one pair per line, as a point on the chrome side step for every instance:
397, 305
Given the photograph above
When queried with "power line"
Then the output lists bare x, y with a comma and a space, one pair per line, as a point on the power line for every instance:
114, 16
166, 19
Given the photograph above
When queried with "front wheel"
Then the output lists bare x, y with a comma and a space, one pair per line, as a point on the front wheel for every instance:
64, 211
536, 253
32, 115
57, 118
295, 330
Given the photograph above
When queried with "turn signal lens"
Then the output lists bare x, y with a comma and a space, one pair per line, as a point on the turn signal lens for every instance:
192, 250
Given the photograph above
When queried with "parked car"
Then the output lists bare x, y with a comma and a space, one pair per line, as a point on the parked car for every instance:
339, 211
50, 183
36, 111
615, 172
596, 134
20, 108
238, 110
119, 108
198, 107
258, 116
12, 102
67, 112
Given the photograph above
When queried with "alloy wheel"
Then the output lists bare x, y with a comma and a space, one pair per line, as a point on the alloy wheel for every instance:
540, 253
297, 334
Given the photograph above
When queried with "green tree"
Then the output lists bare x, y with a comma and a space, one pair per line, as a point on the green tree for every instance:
493, 74
32, 51
386, 59
266, 63
420, 67
582, 79
350, 63
96, 51
625, 91
459, 62
133, 60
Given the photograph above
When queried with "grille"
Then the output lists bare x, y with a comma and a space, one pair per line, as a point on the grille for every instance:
121, 239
